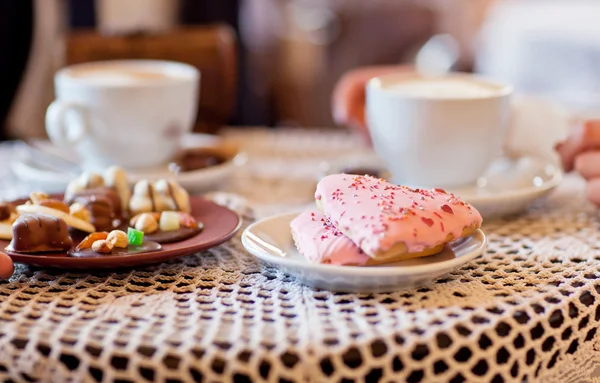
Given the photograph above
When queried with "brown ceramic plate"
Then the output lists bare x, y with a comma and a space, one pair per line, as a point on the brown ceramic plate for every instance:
220, 225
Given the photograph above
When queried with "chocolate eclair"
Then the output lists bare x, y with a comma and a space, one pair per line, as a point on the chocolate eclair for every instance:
37, 233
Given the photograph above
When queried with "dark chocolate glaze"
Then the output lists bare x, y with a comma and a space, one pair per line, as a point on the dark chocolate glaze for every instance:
151, 195
147, 246
77, 235
57, 223
174, 235
102, 210
51, 234
101, 193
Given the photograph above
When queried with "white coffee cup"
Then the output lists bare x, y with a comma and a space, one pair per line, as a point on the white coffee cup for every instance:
131, 113
437, 131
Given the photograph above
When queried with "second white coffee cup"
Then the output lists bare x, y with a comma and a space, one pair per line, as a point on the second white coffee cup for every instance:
131, 113
437, 131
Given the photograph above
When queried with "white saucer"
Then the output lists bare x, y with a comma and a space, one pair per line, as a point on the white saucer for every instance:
511, 184
27, 168
270, 240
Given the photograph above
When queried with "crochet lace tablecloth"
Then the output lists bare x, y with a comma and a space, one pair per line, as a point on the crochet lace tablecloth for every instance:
526, 311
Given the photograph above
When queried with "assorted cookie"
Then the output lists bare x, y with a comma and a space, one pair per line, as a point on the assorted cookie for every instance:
379, 220
101, 206
116, 220
105, 196
91, 183
166, 226
159, 196
103, 242
116, 242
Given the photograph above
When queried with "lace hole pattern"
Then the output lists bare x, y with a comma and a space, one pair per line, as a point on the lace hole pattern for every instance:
527, 310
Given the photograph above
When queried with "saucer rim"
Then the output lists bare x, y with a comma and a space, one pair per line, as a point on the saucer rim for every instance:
27, 171
555, 180
492, 196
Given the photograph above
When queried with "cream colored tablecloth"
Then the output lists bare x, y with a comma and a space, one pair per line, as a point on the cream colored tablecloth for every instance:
527, 310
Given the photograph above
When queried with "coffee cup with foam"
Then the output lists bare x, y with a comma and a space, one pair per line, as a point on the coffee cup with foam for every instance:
131, 113
437, 131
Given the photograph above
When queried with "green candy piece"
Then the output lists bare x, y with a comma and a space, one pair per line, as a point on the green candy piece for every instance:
135, 237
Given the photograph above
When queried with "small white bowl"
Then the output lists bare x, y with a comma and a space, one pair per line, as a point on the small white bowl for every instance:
270, 240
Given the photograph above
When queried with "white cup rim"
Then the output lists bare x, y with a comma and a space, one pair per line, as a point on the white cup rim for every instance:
381, 82
181, 73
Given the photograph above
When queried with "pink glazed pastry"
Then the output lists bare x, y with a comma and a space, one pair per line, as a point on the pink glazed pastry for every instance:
390, 222
319, 242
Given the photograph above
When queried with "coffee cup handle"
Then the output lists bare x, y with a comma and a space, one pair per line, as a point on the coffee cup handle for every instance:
56, 126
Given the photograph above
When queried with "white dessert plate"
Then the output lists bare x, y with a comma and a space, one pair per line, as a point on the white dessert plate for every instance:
47, 169
271, 241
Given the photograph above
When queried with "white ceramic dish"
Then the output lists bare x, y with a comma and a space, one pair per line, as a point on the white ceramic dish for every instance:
28, 168
271, 241
511, 184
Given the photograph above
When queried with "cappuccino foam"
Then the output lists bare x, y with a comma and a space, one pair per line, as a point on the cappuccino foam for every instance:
442, 88
118, 75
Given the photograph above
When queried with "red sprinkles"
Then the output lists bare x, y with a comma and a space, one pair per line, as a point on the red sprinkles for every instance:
381, 196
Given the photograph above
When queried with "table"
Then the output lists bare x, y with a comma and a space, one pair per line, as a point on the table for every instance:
527, 310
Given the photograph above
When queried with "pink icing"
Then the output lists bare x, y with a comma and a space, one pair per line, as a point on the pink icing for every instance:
377, 214
319, 242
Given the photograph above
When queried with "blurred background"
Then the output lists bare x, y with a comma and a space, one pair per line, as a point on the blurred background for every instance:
276, 62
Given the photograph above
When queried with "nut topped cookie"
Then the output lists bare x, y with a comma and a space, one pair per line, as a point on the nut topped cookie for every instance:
388, 221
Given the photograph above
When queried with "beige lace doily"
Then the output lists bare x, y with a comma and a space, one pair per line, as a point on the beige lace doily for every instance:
526, 311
